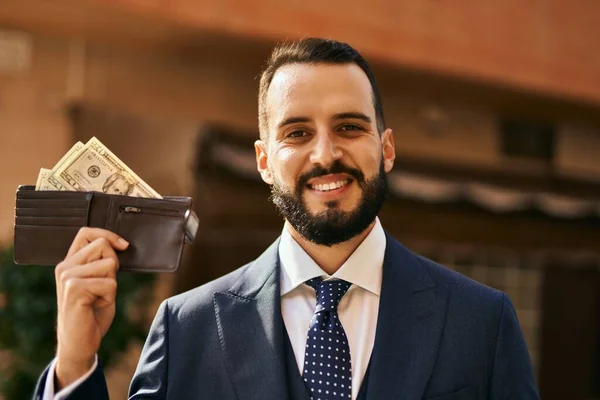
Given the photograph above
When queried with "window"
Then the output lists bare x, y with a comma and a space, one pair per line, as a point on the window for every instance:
527, 140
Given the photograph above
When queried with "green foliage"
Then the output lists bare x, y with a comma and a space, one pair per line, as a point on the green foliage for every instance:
28, 322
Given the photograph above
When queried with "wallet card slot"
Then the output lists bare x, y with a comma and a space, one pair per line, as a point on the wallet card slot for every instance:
43, 245
51, 221
52, 203
51, 212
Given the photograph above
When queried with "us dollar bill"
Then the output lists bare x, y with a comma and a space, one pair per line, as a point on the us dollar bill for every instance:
52, 182
95, 168
45, 179
42, 180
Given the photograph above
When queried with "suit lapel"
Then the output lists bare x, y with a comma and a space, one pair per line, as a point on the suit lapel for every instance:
251, 330
409, 326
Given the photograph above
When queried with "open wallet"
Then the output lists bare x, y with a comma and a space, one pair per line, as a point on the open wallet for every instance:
46, 223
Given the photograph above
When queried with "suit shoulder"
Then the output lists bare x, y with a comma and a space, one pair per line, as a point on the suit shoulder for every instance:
470, 303
459, 285
202, 295
247, 279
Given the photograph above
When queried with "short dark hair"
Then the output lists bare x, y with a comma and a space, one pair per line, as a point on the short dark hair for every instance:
313, 51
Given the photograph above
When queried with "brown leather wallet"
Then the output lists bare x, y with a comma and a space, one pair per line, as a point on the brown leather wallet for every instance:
46, 223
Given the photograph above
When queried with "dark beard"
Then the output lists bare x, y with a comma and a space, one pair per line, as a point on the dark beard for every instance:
332, 226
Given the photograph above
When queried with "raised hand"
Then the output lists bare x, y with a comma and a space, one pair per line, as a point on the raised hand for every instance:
86, 288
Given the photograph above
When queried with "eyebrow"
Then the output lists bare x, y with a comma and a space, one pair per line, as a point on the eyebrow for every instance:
352, 115
292, 120
344, 115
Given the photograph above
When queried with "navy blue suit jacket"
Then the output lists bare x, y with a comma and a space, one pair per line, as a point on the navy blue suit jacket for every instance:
439, 336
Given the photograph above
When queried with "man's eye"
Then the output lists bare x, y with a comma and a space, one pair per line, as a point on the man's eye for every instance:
296, 134
350, 128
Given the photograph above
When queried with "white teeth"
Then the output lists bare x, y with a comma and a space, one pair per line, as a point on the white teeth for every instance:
325, 187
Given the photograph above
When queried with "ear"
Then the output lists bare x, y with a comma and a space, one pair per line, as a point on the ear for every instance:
388, 149
262, 161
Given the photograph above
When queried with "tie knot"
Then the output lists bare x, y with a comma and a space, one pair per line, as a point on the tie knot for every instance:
329, 293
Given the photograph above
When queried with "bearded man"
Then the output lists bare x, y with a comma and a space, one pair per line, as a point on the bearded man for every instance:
335, 308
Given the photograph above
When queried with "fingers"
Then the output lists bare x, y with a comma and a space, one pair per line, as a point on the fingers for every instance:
98, 292
102, 268
97, 259
87, 235
96, 250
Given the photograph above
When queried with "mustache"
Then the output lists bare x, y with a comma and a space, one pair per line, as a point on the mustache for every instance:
336, 168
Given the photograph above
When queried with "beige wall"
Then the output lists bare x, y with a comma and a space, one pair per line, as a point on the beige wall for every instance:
210, 86
33, 126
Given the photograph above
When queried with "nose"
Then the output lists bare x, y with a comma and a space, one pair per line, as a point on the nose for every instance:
325, 150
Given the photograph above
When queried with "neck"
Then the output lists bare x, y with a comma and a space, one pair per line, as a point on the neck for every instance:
330, 258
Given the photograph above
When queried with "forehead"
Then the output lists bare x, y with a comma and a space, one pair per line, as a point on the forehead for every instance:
318, 90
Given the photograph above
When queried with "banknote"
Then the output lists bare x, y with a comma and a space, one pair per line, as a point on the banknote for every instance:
53, 183
94, 167
42, 180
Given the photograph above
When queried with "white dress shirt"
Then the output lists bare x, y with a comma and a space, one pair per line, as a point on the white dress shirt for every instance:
358, 308
49, 387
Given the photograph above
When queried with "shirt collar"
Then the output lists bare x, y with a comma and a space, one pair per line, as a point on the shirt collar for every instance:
364, 268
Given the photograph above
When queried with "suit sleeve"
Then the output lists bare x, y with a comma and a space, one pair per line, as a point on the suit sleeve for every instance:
512, 374
150, 378
91, 388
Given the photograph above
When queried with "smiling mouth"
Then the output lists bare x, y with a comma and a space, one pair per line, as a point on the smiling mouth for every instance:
327, 187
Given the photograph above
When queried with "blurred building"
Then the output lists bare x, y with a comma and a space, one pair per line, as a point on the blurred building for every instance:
496, 113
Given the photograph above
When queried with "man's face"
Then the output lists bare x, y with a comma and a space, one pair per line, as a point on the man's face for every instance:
119, 186
324, 156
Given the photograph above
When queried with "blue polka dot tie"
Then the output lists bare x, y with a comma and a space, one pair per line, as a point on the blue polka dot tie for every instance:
327, 366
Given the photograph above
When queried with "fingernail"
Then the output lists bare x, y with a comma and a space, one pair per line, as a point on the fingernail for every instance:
123, 242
